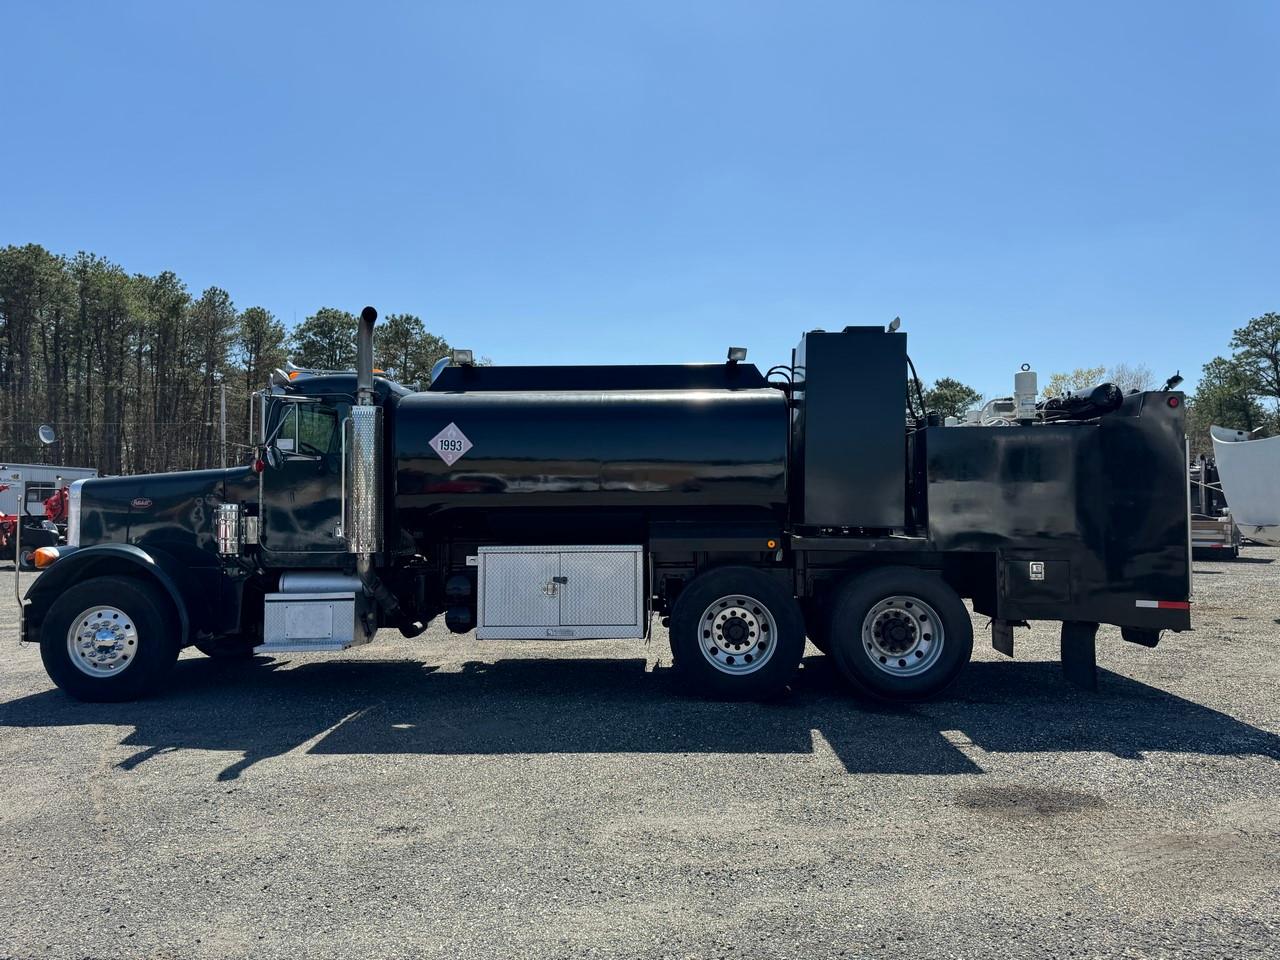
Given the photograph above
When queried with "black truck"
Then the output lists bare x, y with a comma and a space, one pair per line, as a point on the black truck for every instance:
746, 510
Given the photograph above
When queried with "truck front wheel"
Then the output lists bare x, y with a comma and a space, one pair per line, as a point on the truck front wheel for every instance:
737, 634
900, 633
109, 639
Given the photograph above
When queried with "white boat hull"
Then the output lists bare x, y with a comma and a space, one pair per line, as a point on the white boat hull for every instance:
1267, 535
1249, 471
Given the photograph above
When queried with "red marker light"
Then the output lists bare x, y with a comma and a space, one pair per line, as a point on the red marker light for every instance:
1173, 401
259, 466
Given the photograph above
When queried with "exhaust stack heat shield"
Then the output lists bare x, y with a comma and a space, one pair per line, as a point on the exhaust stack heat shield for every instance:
363, 522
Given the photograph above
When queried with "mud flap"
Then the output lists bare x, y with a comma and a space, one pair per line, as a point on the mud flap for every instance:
1002, 636
1079, 654
1141, 635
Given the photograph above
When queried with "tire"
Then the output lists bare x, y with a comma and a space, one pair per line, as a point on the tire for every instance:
235, 647
932, 636
736, 634
137, 621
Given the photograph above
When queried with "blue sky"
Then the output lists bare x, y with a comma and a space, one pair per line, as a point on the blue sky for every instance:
1063, 185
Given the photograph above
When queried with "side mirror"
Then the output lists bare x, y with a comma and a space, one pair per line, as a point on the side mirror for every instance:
274, 458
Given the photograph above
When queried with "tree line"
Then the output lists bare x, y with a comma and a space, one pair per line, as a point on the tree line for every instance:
130, 370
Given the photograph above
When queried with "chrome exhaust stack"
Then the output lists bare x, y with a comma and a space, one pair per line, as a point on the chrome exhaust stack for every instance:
364, 356
362, 442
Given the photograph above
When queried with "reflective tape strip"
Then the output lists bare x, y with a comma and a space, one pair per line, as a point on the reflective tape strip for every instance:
1163, 604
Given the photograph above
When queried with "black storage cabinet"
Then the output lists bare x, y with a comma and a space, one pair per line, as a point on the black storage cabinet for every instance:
849, 429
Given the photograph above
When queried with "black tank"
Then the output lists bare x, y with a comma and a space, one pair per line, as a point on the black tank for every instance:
577, 458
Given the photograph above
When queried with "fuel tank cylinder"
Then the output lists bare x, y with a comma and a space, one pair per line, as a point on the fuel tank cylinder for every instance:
655, 451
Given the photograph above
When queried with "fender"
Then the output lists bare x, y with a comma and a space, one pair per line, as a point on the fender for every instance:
76, 564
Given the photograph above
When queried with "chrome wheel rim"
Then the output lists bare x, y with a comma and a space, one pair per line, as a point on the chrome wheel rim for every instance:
102, 641
737, 634
903, 636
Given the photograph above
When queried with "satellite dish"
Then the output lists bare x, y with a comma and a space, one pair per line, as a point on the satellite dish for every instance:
47, 434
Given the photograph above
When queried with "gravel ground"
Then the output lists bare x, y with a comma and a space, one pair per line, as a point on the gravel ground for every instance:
443, 797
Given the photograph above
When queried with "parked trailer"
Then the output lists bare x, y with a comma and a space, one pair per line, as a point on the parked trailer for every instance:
21, 534
570, 503
1214, 533
39, 482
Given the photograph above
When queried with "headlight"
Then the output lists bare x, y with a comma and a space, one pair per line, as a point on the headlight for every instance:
73, 514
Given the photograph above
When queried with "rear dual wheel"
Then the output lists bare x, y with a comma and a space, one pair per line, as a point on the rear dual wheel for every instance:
896, 633
899, 633
737, 634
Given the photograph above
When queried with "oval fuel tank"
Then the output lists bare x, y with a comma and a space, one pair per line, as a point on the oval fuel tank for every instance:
655, 450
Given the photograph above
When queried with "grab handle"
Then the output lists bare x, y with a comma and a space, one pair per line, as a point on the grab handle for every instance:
341, 532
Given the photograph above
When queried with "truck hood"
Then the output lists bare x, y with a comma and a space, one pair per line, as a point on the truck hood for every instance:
171, 510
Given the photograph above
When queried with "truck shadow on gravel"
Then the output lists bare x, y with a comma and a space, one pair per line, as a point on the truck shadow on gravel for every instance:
530, 706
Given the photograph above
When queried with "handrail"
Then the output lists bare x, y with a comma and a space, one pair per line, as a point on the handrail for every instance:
342, 468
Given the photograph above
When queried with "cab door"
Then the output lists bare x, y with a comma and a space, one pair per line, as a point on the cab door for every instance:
301, 523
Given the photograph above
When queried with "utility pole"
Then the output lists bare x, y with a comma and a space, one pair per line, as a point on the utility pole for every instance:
223, 405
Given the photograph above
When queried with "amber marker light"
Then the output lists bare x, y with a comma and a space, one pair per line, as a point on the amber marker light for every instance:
44, 557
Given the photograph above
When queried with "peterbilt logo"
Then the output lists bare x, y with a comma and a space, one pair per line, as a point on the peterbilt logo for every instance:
140, 503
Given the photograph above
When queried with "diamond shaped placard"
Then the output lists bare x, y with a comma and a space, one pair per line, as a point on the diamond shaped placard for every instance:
450, 444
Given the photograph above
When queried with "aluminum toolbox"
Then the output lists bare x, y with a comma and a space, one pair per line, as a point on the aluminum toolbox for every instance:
561, 592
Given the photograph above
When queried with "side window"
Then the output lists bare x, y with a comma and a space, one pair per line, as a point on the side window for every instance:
309, 429
38, 493
317, 430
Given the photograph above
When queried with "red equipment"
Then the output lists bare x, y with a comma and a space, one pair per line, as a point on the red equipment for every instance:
55, 507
